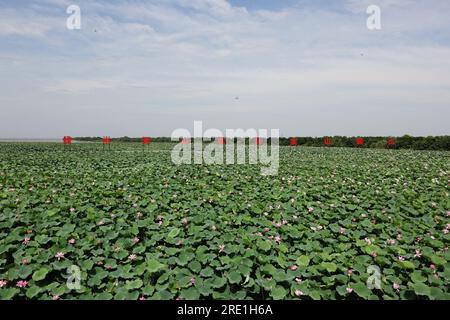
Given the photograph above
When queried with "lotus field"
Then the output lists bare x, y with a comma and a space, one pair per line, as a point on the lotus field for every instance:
79, 222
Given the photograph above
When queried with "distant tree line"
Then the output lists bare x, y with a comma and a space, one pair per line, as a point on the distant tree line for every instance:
404, 142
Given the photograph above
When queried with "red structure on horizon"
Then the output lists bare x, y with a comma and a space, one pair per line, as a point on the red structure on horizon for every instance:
106, 140
293, 142
327, 141
146, 140
359, 141
391, 142
67, 140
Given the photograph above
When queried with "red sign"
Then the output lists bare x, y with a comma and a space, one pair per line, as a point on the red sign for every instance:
106, 140
327, 141
359, 141
185, 141
220, 140
391, 142
67, 140
146, 140
293, 141
258, 141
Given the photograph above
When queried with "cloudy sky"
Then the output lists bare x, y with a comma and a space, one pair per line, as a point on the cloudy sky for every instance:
307, 67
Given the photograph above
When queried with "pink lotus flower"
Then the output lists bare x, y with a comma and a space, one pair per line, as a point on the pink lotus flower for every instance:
369, 242
221, 248
278, 239
142, 298
396, 286
448, 213
278, 224
293, 268
26, 240
108, 267
284, 222
72, 210
160, 222
391, 242
3, 283
349, 290
349, 272
298, 280
59, 255
418, 253
445, 231
55, 298
266, 230
25, 261
179, 298
259, 234
135, 240
401, 258
132, 257
342, 230
298, 293
21, 284
72, 241
374, 254
184, 221
192, 281
310, 209
432, 267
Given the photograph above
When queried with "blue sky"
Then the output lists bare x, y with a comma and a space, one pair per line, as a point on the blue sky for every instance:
148, 67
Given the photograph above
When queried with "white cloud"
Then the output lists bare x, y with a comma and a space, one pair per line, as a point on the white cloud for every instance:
13, 23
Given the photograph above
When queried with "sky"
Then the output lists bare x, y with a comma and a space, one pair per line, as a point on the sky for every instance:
306, 67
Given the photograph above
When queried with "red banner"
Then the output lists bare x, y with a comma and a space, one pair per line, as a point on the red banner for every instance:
67, 140
327, 141
106, 140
